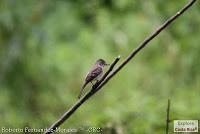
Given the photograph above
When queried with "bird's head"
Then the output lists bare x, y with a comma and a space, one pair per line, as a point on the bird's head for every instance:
101, 62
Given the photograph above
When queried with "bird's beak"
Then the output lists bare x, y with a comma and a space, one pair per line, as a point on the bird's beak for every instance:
107, 64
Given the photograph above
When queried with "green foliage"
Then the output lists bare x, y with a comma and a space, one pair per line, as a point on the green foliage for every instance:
46, 47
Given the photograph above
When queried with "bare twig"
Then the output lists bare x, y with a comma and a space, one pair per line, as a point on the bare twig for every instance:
167, 118
132, 54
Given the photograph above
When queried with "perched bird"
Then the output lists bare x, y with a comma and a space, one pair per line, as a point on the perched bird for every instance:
94, 73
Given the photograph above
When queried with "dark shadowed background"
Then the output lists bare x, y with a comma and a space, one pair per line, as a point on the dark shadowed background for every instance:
47, 47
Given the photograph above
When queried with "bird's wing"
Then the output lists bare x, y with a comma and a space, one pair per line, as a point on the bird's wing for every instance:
94, 73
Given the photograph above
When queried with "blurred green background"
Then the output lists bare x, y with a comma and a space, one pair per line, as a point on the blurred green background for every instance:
47, 47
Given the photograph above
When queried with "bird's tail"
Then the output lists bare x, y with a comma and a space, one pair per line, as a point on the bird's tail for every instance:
81, 90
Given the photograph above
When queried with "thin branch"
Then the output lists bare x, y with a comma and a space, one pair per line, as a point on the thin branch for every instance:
167, 118
149, 38
132, 54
